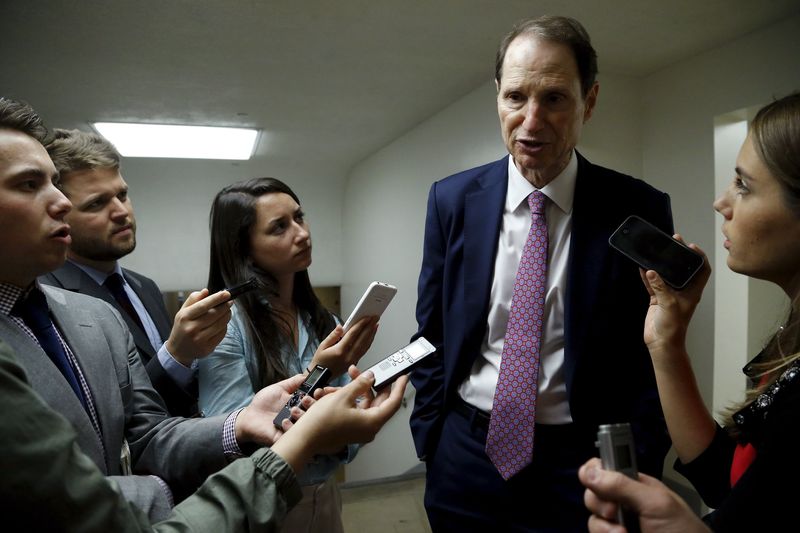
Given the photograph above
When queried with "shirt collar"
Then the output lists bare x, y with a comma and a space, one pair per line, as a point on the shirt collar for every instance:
11, 294
560, 191
98, 275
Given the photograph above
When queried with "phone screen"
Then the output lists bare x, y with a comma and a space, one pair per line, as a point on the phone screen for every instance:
652, 249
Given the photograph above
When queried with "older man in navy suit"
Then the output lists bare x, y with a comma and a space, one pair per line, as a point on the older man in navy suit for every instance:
509, 408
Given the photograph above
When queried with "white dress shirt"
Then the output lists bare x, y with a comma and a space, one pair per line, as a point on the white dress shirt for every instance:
478, 388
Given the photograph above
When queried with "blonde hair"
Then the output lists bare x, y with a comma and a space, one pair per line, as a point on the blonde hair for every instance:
73, 150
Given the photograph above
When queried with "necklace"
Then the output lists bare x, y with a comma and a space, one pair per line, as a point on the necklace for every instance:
752, 416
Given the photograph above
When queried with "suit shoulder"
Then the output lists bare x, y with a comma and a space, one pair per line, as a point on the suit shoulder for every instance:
496, 170
71, 298
620, 181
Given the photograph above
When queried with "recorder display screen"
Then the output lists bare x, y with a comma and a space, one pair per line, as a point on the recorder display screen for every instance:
415, 351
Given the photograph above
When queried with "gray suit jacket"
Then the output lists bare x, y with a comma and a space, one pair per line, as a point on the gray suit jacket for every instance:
179, 402
183, 452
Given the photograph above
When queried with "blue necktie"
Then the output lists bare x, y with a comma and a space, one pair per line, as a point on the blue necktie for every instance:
34, 311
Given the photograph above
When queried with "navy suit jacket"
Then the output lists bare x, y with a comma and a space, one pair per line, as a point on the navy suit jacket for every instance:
179, 402
608, 372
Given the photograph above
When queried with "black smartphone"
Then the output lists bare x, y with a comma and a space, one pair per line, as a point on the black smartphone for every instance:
652, 249
318, 378
241, 288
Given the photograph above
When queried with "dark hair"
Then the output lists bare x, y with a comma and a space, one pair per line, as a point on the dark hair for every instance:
233, 214
21, 117
563, 30
775, 132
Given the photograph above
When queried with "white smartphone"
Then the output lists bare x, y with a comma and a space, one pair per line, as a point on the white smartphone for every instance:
373, 303
400, 362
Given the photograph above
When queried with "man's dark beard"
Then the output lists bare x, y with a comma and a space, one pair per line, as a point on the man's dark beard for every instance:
96, 252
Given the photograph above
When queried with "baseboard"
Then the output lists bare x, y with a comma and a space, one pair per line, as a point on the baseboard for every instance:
415, 472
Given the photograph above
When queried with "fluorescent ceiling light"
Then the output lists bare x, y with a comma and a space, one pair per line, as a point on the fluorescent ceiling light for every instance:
192, 142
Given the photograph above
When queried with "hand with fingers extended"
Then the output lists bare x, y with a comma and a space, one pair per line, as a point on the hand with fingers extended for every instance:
199, 326
659, 509
254, 423
338, 418
671, 309
339, 350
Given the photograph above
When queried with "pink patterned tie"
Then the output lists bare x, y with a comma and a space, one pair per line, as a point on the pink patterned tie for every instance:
509, 443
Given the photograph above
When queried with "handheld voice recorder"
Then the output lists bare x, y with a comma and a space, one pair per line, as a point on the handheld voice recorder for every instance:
618, 453
241, 288
317, 379
400, 362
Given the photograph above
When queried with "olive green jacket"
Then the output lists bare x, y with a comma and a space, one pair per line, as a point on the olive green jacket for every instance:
48, 484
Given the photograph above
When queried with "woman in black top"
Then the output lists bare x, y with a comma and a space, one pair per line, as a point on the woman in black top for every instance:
747, 470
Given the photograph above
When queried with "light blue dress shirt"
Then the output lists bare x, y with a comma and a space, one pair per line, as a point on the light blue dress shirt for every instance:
225, 384
180, 374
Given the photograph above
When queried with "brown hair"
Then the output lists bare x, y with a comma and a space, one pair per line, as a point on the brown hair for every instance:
775, 131
19, 116
563, 30
73, 150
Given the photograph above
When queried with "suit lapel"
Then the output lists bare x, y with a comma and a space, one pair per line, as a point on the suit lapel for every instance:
74, 279
90, 348
153, 303
588, 257
483, 215
48, 382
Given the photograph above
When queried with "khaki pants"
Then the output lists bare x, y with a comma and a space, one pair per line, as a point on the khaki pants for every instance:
319, 511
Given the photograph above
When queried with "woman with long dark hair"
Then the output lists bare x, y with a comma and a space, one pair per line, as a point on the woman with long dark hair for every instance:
258, 229
747, 468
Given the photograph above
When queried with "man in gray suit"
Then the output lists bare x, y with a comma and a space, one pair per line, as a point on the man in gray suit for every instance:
79, 354
103, 230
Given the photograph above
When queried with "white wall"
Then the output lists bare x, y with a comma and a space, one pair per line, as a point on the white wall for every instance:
659, 128
384, 216
172, 199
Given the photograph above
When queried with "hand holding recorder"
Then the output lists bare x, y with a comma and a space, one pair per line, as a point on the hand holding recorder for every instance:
202, 321
659, 509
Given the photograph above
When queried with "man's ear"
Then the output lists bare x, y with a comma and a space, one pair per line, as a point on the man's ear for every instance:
590, 102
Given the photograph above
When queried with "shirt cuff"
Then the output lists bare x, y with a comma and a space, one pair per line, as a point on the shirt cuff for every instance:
182, 375
166, 489
230, 447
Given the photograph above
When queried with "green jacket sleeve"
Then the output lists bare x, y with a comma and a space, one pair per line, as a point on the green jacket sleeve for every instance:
47, 483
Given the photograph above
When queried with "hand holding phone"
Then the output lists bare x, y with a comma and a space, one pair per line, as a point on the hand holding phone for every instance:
652, 249
373, 302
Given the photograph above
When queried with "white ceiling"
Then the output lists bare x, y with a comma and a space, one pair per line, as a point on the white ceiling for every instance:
327, 81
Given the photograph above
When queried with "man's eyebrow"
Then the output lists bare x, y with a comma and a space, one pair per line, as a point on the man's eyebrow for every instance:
33, 171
